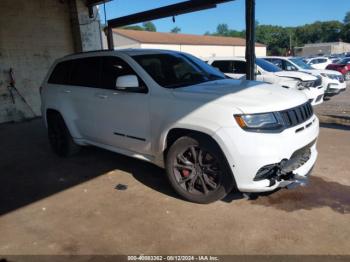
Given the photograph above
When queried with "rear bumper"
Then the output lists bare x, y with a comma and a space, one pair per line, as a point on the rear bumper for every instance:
248, 152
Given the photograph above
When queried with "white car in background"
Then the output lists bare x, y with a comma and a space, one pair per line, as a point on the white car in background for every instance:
319, 62
235, 67
212, 134
332, 81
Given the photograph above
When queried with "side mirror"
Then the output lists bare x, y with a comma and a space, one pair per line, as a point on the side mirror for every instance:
127, 82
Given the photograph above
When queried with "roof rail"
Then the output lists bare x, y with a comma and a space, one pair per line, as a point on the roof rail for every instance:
91, 51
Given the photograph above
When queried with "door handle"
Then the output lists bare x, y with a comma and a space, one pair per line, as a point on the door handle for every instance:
102, 96
66, 91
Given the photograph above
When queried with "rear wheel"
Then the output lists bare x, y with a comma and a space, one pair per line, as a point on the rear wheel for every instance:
198, 171
60, 139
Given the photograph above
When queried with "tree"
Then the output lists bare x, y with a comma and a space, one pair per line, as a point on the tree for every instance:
175, 30
347, 18
345, 33
133, 27
222, 30
149, 26
275, 37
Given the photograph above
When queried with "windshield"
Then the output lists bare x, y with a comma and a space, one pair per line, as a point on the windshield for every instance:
267, 66
300, 62
343, 61
172, 70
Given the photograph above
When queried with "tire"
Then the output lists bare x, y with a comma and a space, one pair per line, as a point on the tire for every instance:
198, 170
59, 137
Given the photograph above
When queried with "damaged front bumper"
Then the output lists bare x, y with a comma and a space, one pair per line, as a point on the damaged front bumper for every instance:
288, 173
284, 170
288, 157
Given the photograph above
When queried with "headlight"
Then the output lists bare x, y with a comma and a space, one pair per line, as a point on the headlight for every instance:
260, 122
330, 76
305, 84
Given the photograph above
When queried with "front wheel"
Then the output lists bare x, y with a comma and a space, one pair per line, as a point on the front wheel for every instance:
198, 171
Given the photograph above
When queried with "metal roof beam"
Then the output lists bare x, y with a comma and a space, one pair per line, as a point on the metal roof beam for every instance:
166, 11
96, 2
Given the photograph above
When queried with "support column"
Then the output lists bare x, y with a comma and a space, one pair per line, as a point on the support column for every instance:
250, 38
110, 38
85, 26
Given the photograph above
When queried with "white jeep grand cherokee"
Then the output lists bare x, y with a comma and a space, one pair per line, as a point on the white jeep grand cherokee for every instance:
212, 134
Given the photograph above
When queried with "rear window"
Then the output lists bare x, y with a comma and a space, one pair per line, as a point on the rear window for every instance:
60, 74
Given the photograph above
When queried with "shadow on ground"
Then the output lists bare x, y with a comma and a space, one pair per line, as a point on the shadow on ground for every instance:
335, 126
29, 171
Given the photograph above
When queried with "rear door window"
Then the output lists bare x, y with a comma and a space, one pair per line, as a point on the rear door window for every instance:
223, 66
85, 72
60, 74
239, 67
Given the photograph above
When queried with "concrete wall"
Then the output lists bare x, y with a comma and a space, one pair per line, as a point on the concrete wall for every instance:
32, 35
124, 42
201, 51
205, 51
323, 48
341, 47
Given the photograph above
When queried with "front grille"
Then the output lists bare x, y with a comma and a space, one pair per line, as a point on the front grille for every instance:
297, 115
317, 82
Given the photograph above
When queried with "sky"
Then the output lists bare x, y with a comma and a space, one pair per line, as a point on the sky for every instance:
273, 12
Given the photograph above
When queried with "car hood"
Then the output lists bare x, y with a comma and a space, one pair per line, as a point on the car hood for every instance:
298, 75
246, 96
320, 71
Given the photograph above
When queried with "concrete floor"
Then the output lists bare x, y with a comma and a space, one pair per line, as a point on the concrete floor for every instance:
50, 205
338, 105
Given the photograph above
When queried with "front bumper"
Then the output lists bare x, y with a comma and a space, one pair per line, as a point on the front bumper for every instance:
314, 95
335, 88
248, 152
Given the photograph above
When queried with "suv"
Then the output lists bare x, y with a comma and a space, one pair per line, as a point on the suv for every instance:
310, 85
212, 134
319, 62
333, 81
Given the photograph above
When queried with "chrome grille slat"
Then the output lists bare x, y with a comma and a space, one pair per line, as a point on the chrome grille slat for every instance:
295, 116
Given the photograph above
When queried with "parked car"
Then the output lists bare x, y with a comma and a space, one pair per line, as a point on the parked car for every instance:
235, 67
342, 66
332, 81
212, 134
319, 62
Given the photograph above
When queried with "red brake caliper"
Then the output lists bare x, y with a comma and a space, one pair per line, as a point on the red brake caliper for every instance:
185, 172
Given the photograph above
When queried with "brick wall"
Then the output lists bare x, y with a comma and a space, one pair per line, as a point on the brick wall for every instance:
32, 35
